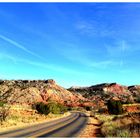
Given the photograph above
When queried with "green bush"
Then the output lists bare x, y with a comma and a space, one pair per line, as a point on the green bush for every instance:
138, 99
54, 108
102, 110
114, 107
69, 108
63, 108
42, 108
88, 108
51, 107
2, 104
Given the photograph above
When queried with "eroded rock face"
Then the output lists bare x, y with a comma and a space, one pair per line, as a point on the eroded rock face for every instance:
31, 91
134, 89
118, 89
102, 92
102, 88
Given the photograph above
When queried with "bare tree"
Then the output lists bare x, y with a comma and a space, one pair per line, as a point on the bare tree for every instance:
6, 99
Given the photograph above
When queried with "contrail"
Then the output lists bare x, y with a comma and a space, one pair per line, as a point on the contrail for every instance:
16, 44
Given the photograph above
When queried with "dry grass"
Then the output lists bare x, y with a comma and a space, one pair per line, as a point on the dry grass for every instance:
24, 117
118, 126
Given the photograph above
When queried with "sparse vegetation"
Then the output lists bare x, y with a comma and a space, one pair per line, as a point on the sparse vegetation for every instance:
123, 133
23, 115
2, 104
102, 110
4, 112
42, 108
88, 108
20, 92
5, 104
127, 125
51, 107
138, 99
114, 107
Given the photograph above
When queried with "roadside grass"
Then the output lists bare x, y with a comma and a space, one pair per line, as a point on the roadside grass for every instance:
26, 116
108, 126
122, 133
118, 125
105, 117
16, 119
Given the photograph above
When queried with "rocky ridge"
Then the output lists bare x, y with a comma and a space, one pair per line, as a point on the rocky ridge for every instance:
31, 91
100, 93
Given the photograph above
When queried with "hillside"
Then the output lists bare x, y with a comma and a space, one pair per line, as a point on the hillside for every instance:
28, 92
100, 93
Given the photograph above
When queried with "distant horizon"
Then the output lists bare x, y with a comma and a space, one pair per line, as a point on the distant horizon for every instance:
76, 44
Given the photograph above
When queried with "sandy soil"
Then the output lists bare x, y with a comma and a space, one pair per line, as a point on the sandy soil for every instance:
92, 128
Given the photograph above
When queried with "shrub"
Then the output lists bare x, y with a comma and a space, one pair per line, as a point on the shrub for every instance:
51, 107
4, 112
62, 108
123, 133
42, 108
88, 108
54, 108
2, 104
138, 99
102, 110
114, 107
69, 108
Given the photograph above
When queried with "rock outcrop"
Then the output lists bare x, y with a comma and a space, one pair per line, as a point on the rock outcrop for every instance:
100, 93
134, 89
31, 91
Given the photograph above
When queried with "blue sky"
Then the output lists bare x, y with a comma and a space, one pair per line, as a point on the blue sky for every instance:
78, 44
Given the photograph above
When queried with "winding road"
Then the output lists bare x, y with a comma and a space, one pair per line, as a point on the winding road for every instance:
69, 126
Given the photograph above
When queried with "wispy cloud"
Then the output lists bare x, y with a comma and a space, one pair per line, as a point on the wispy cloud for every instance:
55, 67
86, 28
17, 45
93, 28
118, 48
75, 53
7, 56
100, 64
46, 66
